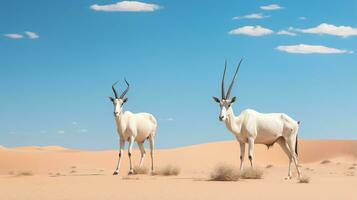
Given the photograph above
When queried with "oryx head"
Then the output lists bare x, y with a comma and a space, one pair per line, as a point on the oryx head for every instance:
118, 102
226, 102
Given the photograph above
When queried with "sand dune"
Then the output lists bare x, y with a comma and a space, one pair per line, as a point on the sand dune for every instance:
45, 172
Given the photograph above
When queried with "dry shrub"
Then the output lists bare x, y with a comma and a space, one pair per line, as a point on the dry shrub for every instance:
224, 172
304, 179
141, 170
351, 168
269, 166
168, 170
252, 173
24, 173
325, 162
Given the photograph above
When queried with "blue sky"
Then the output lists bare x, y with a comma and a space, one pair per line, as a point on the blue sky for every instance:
59, 59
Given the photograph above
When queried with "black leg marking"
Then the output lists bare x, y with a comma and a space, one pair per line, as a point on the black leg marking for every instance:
250, 157
241, 157
119, 154
129, 154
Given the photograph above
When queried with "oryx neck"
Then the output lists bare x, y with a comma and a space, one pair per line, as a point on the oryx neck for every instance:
231, 121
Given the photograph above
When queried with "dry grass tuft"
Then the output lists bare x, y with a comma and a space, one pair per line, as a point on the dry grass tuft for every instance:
351, 168
269, 166
168, 170
325, 162
141, 170
252, 173
224, 172
304, 179
24, 173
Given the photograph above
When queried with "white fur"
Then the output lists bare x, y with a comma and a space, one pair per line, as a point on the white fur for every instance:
134, 127
253, 127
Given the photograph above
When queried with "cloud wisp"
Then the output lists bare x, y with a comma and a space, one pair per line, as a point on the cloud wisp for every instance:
271, 7
285, 32
255, 31
15, 36
330, 29
126, 6
311, 49
251, 16
31, 35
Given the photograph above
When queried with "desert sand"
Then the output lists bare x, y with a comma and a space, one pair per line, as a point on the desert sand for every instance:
55, 172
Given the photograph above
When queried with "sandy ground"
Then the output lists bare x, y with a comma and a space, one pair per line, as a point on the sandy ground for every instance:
57, 173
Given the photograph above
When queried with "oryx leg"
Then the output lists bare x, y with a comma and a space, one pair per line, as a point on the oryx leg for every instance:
242, 154
251, 151
286, 149
121, 150
130, 150
142, 151
151, 142
291, 143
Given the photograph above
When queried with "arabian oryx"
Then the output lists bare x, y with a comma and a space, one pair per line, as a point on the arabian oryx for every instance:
132, 127
253, 127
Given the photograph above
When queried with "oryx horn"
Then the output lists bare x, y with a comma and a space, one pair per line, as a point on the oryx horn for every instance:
115, 92
126, 90
234, 78
224, 74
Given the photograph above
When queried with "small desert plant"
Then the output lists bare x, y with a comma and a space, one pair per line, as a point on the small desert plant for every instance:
304, 179
351, 168
24, 173
141, 170
168, 170
269, 166
73, 171
224, 172
252, 173
325, 162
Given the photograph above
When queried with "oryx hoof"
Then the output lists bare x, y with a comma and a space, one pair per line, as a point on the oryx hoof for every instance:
115, 173
287, 178
131, 172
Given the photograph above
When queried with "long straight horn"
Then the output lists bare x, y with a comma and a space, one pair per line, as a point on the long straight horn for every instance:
126, 90
234, 78
224, 74
115, 92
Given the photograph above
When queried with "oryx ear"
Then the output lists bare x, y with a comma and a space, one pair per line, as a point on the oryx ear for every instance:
216, 99
111, 99
233, 99
125, 100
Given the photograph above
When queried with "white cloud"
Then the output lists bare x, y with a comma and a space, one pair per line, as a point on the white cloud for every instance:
251, 16
126, 6
170, 119
302, 18
329, 29
60, 131
251, 31
310, 49
32, 35
284, 32
14, 36
74, 123
271, 7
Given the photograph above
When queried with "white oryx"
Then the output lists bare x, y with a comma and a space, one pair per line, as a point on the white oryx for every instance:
253, 127
132, 127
